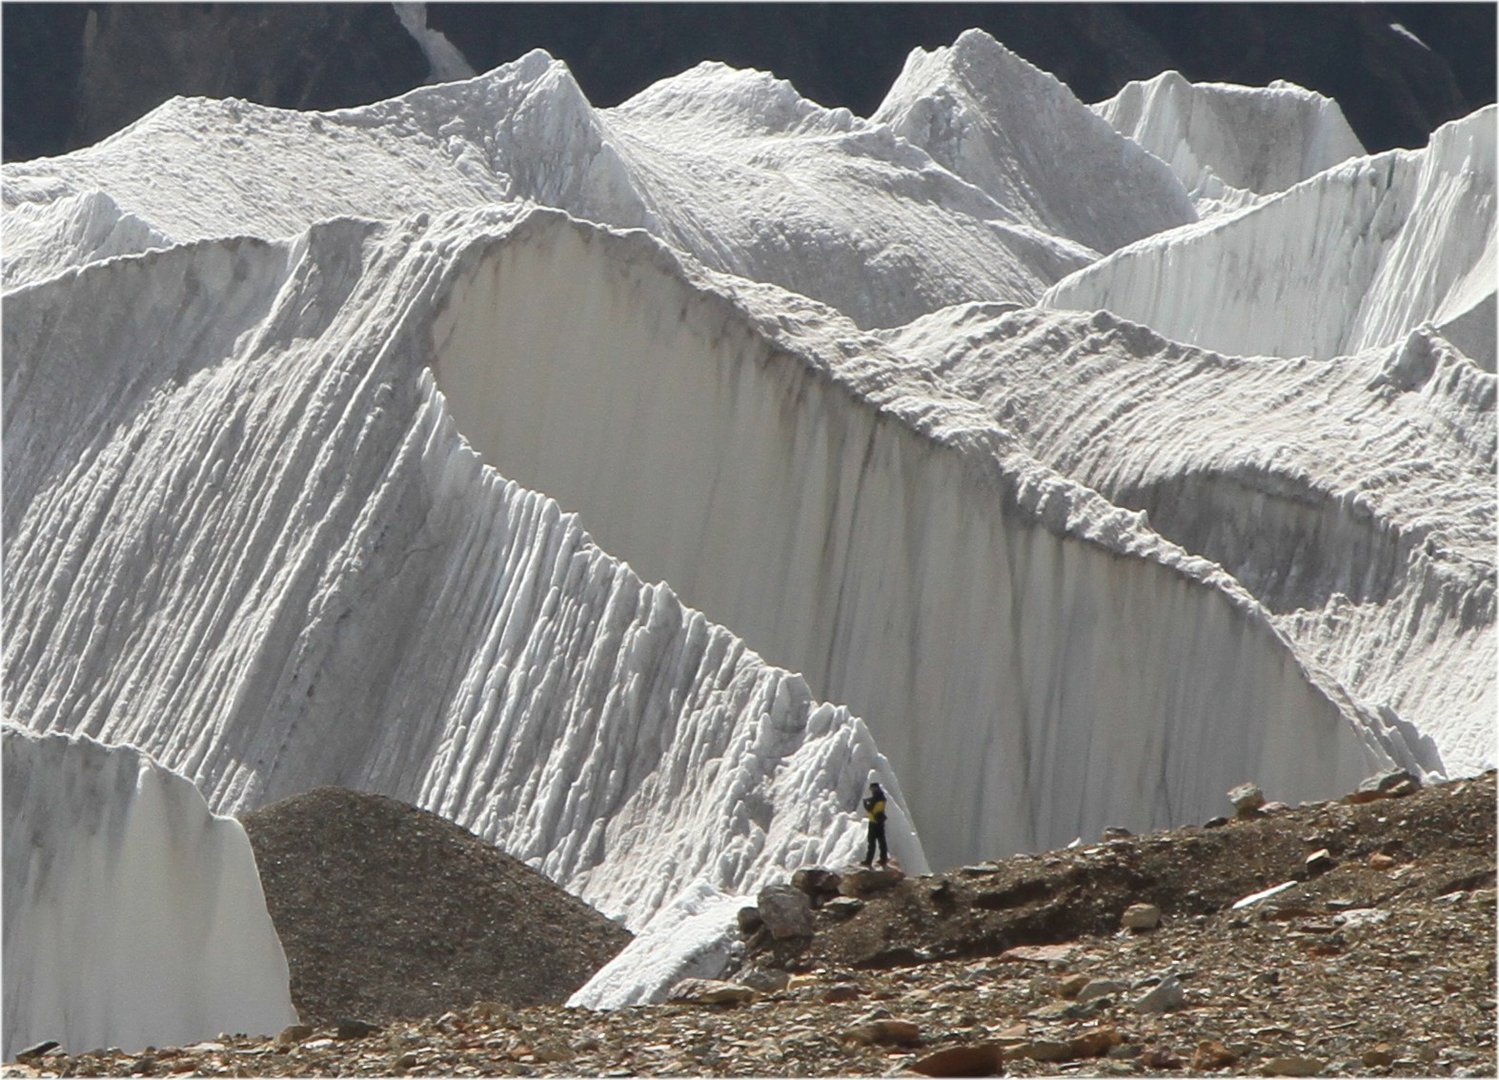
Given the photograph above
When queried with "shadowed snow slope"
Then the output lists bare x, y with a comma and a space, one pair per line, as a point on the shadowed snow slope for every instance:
732, 167
133, 916
245, 536
1353, 497
1229, 143
1019, 134
1355, 257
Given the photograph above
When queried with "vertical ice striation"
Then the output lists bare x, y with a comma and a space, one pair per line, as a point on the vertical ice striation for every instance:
252, 542
133, 916
1355, 257
1229, 144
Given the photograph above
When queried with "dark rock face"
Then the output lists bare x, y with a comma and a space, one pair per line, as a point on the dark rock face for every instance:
388, 911
78, 72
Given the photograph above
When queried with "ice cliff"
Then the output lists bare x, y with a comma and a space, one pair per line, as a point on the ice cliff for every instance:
133, 916
540, 465
1230, 144
1352, 258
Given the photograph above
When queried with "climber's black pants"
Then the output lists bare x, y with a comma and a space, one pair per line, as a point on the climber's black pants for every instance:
876, 835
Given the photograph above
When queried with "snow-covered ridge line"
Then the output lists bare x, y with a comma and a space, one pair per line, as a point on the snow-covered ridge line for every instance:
133, 916
1350, 259
698, 422
1230, 144
1018, 133
733, 167
274, 565
1357, 490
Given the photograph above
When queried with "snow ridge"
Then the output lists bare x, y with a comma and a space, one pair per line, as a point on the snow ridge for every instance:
133, 916
1230, 144
1351, 259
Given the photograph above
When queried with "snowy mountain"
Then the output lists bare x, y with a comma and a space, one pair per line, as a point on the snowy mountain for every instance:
1229, 144
133, 916
537, 464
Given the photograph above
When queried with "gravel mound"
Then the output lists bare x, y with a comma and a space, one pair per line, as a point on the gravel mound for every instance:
386, 911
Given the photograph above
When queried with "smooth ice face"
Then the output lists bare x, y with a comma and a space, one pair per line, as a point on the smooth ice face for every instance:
1353, 258
133, 916
1230, 144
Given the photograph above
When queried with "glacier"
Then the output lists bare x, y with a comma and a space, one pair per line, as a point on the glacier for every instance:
633, 485
133, 916
1349, 259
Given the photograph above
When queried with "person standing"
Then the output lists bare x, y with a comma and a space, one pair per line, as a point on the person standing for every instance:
874, 809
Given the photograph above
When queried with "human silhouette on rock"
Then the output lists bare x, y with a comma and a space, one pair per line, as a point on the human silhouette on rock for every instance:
874, 808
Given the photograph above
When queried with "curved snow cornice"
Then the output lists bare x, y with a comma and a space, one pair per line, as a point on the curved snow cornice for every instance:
1230, 143
1353, 258
133, 916
1035, 662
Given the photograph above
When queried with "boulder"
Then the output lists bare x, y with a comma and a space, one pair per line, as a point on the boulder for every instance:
1247, 799
1141, 917
978, 1059
840, 992
1390, 784
867, 880
1212, 1054
1320, 861
786, 911
843, 906
1099, 988
352, 1028
1163, 997
709, 992
749, 920
1041, 1050
1161, 1057
1294, 1065
819, 883
764, 980
1095, 1043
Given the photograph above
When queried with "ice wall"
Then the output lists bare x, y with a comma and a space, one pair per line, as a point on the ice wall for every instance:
1353, 497
133, 916
1353, 258
1034, 663
245, 535
1019, 134
1230, 143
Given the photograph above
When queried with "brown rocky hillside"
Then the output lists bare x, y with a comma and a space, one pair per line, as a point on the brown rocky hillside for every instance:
386, 911
1377, 958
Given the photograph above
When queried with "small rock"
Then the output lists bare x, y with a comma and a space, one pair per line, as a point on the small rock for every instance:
1100, 988
749, 920
1247, 798
1380, 861
1141, 917
1164, 997
980, 1059
1320, 861
294, 1033
1293, 1065
1379, 1056
1392, 783
37, 1050
1275, 807
764, 980
709, 992
1212, 1054
1161, 1057
1215, 822
1041, 954
843, 906
840, 992
1041, 1050
885, 1032
1116, 832
408, 1060
1072, 985
352, 1028
313, 1046
786, 911
1095, 1043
